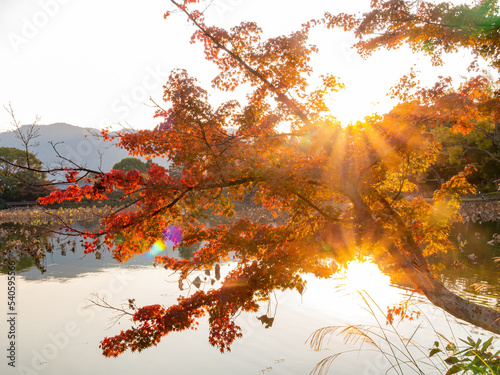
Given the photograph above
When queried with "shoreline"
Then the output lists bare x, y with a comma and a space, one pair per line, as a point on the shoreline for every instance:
476, 210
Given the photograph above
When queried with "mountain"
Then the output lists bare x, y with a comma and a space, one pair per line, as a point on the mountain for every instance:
83, 146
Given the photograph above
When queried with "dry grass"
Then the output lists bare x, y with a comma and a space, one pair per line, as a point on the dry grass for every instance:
48, 216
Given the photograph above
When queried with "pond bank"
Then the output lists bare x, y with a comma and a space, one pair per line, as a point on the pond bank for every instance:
477, 211
51, 216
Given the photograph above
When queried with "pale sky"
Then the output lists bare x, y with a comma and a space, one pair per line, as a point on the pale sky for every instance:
93, 63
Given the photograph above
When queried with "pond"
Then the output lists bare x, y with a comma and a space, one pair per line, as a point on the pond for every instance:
58, 330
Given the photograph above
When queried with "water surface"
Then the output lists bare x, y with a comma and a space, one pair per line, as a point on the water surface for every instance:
58, 330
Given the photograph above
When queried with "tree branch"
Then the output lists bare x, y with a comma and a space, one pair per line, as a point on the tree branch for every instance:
481, 149
318, 209
283, 98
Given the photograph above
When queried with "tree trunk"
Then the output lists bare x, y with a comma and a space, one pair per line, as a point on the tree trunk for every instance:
440, 296
408, 256
497, 133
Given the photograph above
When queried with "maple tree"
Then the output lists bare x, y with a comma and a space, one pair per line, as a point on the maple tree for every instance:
464, 120
431, 27
336, 192
436, 29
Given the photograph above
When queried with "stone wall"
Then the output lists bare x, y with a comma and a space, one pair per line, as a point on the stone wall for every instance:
480, 211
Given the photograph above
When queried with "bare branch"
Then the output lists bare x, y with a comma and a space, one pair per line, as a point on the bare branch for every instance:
483, 150
26, 135
101, 302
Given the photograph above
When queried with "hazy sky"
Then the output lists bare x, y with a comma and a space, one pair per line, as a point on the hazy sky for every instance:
92, 63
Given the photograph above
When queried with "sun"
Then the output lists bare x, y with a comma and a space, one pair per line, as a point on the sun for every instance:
365, 276
348, 111
358, 100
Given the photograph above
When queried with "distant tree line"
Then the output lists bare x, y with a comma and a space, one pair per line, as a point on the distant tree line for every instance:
17, 183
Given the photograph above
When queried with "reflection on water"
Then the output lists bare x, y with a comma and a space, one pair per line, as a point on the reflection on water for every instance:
364, 276
471, 271
62, 257
59, 330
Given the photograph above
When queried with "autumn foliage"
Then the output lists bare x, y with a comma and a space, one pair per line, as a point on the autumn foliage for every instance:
336, 191
433, 28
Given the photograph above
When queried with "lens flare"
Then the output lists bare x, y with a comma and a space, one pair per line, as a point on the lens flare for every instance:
172, 234
157, 248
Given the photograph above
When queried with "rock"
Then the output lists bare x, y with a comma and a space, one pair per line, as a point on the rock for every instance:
480, 211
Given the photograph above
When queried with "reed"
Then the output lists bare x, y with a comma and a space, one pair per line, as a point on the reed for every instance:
403, 353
